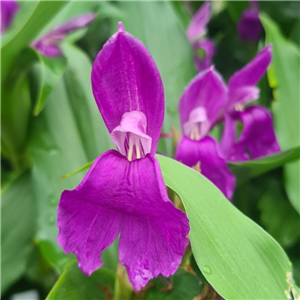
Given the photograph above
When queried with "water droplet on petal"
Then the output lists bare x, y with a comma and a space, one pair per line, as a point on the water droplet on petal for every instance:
53, 201
206, 270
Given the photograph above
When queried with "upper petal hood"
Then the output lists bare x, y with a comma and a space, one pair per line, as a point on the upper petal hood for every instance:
212, 163
197, 26
9, 9
245, 79
124, 79
207, 91
130, 199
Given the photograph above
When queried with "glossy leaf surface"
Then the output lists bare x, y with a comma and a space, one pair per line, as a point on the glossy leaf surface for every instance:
284, 77
17, 229
234, 254
73, 284
252, 168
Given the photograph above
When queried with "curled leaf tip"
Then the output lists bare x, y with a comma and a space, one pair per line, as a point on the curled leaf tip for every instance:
121, 27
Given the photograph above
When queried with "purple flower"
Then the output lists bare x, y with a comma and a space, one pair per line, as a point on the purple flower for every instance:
124, 192
195, 34
8, 12
257, 138
197, 26
249, 26
48, 45
200, 106
207, 46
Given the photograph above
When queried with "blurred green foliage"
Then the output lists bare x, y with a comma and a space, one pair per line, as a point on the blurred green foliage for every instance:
50, 126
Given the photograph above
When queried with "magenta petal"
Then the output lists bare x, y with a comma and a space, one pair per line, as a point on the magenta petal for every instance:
48, 50
249, 76
125, 78
48, 44
257, 136
249, 26
228, 136
207, 91
208, 47
130, 199
9, 9
197, 26
212, 163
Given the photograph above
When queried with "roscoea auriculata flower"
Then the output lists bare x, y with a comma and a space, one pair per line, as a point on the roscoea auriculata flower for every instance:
124, 193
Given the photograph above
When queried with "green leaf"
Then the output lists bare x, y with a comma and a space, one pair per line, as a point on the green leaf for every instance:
73, 284
77, 81
83, 168
17, 229
39, 15
15, 114
277, 214
182, 13
292, 179
157, 26
235, 9
181, 286
284, 78
67, 134
55, 146
49, 72
253, 168
237, 257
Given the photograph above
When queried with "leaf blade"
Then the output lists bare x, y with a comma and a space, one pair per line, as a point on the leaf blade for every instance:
233, 252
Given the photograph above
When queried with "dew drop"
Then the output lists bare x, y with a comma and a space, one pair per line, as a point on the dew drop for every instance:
53, 201
52, 220
206, 270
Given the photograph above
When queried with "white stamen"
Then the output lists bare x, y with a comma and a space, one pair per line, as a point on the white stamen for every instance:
197, 125
130, 136
239, 107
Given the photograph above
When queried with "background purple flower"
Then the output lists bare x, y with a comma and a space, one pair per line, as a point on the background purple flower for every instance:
8, 12
199, 107
204, 61
249, 26
195, 34
124, 192
48, 45
257, 137
197, 26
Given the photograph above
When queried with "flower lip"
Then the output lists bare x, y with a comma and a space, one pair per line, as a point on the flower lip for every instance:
129, 199
212, 162
130, 136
